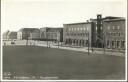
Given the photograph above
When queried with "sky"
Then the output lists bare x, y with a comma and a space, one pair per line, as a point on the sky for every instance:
16, 14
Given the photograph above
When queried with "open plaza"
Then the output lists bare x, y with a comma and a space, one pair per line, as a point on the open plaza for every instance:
38, 62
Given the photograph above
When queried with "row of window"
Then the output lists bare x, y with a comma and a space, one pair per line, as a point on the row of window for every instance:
78, 29
114, 27
101, 28
114, 34
79, 34
116, 43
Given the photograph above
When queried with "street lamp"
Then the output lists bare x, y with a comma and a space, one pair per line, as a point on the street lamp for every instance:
47, 39
88, 43
58, 39
27, 38
104, 34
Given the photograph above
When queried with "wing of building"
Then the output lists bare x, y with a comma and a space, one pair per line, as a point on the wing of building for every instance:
28, 33
5, 35
51, 34
12, 35
114, 30
79, 34
108, 32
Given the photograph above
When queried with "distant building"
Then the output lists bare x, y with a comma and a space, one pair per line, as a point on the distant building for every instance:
79, 34
5, 35
43, 32
51, 34
12, 35
28, 33
35, 35
114, 31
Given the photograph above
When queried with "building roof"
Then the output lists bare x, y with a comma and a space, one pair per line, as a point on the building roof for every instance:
111, 18
12, 33
28, 29
52, 29
6, 33
116, 19
78, 23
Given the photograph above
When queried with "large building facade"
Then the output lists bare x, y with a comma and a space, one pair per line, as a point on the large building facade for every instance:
79, 34
114, 30
108, 32
51, 34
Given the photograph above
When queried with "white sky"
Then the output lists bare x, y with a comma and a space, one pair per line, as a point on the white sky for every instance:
17, 14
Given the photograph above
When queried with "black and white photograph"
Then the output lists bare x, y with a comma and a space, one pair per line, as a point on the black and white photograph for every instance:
63, 40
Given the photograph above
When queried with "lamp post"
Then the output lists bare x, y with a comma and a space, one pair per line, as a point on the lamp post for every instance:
58, 43
104, 41
88, 43
104, 38
58, 39
27, 39
47, 39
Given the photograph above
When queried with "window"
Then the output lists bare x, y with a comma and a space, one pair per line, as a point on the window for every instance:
101, 28
72, 29
113, 44
107, 43
110, 33
69, 29
114, 33
118, 43
96, 27
81, 29
123, 44
119, 33
75, 29
118, 27
83, 34
84, 28
87, 28
113, 27
78, 29
108, 27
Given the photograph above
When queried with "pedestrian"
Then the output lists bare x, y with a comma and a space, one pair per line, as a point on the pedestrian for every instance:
92, 50
4, 43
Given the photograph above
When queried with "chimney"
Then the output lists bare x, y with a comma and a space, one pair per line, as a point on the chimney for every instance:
91, 19
87, 20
